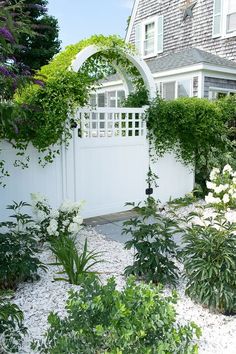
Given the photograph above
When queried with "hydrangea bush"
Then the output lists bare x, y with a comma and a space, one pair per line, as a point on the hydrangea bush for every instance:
56, 222
222, 186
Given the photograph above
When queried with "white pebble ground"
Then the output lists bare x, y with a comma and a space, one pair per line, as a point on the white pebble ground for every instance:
38, 299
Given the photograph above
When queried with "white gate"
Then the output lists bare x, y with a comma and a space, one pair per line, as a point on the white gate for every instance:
110, 159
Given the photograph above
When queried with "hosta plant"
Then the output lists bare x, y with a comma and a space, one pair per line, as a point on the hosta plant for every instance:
155, 249
77, 265
12, 329
100, 319
222, 186
209, 257
56, 222
18, 248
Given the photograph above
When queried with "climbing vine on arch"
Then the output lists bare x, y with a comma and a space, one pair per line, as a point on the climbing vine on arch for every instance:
41, 113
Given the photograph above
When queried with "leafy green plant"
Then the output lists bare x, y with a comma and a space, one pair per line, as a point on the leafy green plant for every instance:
77, 266
155, 249
18, 249
100, 319
12, 329
209, 257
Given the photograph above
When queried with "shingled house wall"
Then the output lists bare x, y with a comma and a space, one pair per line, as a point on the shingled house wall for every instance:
193, 32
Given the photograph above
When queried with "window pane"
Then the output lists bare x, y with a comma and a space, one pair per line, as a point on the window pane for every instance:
120, 97
149, 39
149, 30
232, 6
92, 100
112, 99
184, 88
231, 22
217, 6
101, 100
169, 90
217, 24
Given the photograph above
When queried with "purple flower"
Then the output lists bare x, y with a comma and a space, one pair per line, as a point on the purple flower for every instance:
38, 82
4, 71
5, 33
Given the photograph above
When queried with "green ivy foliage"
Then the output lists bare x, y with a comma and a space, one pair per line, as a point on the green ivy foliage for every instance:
46, 108
190, 125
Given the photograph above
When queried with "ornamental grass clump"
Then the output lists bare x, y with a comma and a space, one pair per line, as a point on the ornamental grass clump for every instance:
222, 186
155, 249
209, 257
76, 265
100, 319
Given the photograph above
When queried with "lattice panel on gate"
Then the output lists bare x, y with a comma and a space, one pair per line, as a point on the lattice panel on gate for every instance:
112, 122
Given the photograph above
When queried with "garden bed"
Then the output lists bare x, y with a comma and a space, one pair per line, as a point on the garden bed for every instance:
38, 299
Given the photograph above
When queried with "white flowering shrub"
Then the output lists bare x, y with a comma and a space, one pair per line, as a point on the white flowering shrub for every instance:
56, 222
222, 186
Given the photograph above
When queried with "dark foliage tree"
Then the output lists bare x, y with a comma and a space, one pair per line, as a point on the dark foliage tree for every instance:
35, 49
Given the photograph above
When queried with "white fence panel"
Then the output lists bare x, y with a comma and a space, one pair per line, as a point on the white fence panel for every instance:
106, 164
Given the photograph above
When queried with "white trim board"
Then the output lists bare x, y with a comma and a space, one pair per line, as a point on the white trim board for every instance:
132, 19
195, 67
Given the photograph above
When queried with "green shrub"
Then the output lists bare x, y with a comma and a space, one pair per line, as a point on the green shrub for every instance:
76, 266
11, 325
199, 130
18, 249
155, 249
101, 319
209, 257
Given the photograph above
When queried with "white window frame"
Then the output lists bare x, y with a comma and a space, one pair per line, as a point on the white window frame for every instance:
219, 90
141, 41
224, 13
176, 80
106, 94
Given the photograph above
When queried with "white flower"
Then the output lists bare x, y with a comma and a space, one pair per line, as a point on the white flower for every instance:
210, 185
230, 216
227, 168
234, 195
220, 188
66, 206
209, 214
226, 198
38, 198
210, 199
40, 215
78, 219
214, 173
74, 228
201, 222
54, 214
52, 228
66, 222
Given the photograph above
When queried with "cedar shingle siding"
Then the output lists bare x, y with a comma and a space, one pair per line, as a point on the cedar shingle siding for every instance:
193, 32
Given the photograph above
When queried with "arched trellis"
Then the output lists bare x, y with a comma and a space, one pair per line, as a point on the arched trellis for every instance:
139, 64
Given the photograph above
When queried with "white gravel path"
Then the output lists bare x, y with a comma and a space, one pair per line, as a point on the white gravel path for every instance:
38, 299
